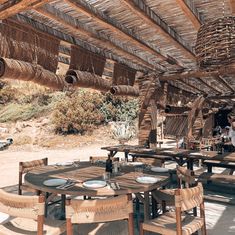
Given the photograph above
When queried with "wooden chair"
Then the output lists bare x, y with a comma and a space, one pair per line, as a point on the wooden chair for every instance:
185, 179
99, 211
27, 216
25, 167
177, 222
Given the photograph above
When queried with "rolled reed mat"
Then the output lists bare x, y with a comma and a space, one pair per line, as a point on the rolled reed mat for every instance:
16, 69
124, 90
87, 80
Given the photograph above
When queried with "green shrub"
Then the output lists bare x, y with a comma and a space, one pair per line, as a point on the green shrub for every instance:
119, 109
78, 113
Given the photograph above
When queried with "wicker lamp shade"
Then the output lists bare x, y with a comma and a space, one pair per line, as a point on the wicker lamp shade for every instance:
215, 44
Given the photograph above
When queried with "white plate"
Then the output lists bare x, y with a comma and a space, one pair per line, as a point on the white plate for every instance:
69, 163
196, 154
4, 218
147, 179
94, 184
136, 163
54, 182
159, 169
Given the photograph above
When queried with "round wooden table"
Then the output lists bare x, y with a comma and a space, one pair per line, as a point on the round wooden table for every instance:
126, 180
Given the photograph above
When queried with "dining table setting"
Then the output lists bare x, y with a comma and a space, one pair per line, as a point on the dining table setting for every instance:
91, 180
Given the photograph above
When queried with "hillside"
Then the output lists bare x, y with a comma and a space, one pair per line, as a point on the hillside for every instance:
37, 117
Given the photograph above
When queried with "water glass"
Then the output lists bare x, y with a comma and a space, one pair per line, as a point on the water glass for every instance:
76, 162
106, 176
138, 171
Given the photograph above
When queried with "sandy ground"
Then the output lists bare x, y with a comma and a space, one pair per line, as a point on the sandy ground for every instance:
220, 217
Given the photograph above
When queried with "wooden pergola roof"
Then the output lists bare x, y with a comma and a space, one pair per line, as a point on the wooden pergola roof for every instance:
150, 36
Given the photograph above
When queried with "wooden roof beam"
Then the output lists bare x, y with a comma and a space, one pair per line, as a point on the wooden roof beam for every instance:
224, 82
191, 12
208, 85
125, 33
225, 70
150, 17
196, 89
221, 97
232, 5
2, 1
104, 44
70, 40
11, 8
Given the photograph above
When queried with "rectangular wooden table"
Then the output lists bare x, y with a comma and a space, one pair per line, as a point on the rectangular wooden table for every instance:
136, 151
211, 158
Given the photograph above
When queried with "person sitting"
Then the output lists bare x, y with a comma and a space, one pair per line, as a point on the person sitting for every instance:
231, 120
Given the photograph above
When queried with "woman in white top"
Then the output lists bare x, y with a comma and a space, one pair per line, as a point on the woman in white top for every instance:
231, 120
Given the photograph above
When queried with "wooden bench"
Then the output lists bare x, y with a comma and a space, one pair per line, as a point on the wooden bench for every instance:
215, 163
217, 178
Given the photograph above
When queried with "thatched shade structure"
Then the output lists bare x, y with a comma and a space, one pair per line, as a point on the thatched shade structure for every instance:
87, 80
16, 69
124, 90
215, 43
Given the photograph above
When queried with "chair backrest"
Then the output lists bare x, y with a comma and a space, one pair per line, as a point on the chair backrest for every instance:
189, 198
185, 176
25, 167
31, 207
99, 210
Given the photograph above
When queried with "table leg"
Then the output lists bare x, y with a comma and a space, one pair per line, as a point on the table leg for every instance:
154, 207
112, 153
209, 168
46, 204
146, 206
126, 156
190, 164
62, 212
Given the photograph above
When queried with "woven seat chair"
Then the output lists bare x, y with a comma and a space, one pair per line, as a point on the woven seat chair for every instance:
98, 211
178, 222
185, 179
27, 216
25, 167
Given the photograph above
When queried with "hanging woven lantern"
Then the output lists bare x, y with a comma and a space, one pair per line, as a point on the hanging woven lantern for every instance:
215, 46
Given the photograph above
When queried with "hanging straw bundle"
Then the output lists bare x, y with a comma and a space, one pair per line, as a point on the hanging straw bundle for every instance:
87, 80
124, 90
15, 69
215, 46
19, 42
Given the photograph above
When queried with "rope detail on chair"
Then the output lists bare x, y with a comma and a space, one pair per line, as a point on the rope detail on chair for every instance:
21, 206
189, 198
88, 211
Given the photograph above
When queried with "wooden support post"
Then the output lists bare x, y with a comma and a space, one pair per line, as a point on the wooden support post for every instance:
192, 115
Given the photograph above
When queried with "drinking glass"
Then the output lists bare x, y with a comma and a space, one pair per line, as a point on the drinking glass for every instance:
106, 176
76, 162
138, 171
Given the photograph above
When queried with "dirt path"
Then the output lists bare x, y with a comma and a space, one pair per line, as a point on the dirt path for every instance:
9, 160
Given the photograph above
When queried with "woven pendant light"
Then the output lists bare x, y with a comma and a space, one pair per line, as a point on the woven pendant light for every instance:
215, 46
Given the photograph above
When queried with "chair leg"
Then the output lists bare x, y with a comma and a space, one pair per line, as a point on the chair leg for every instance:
202, 215
131, 224
163, 206
141, 229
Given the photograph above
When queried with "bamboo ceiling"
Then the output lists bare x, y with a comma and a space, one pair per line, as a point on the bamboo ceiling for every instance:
148, 36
